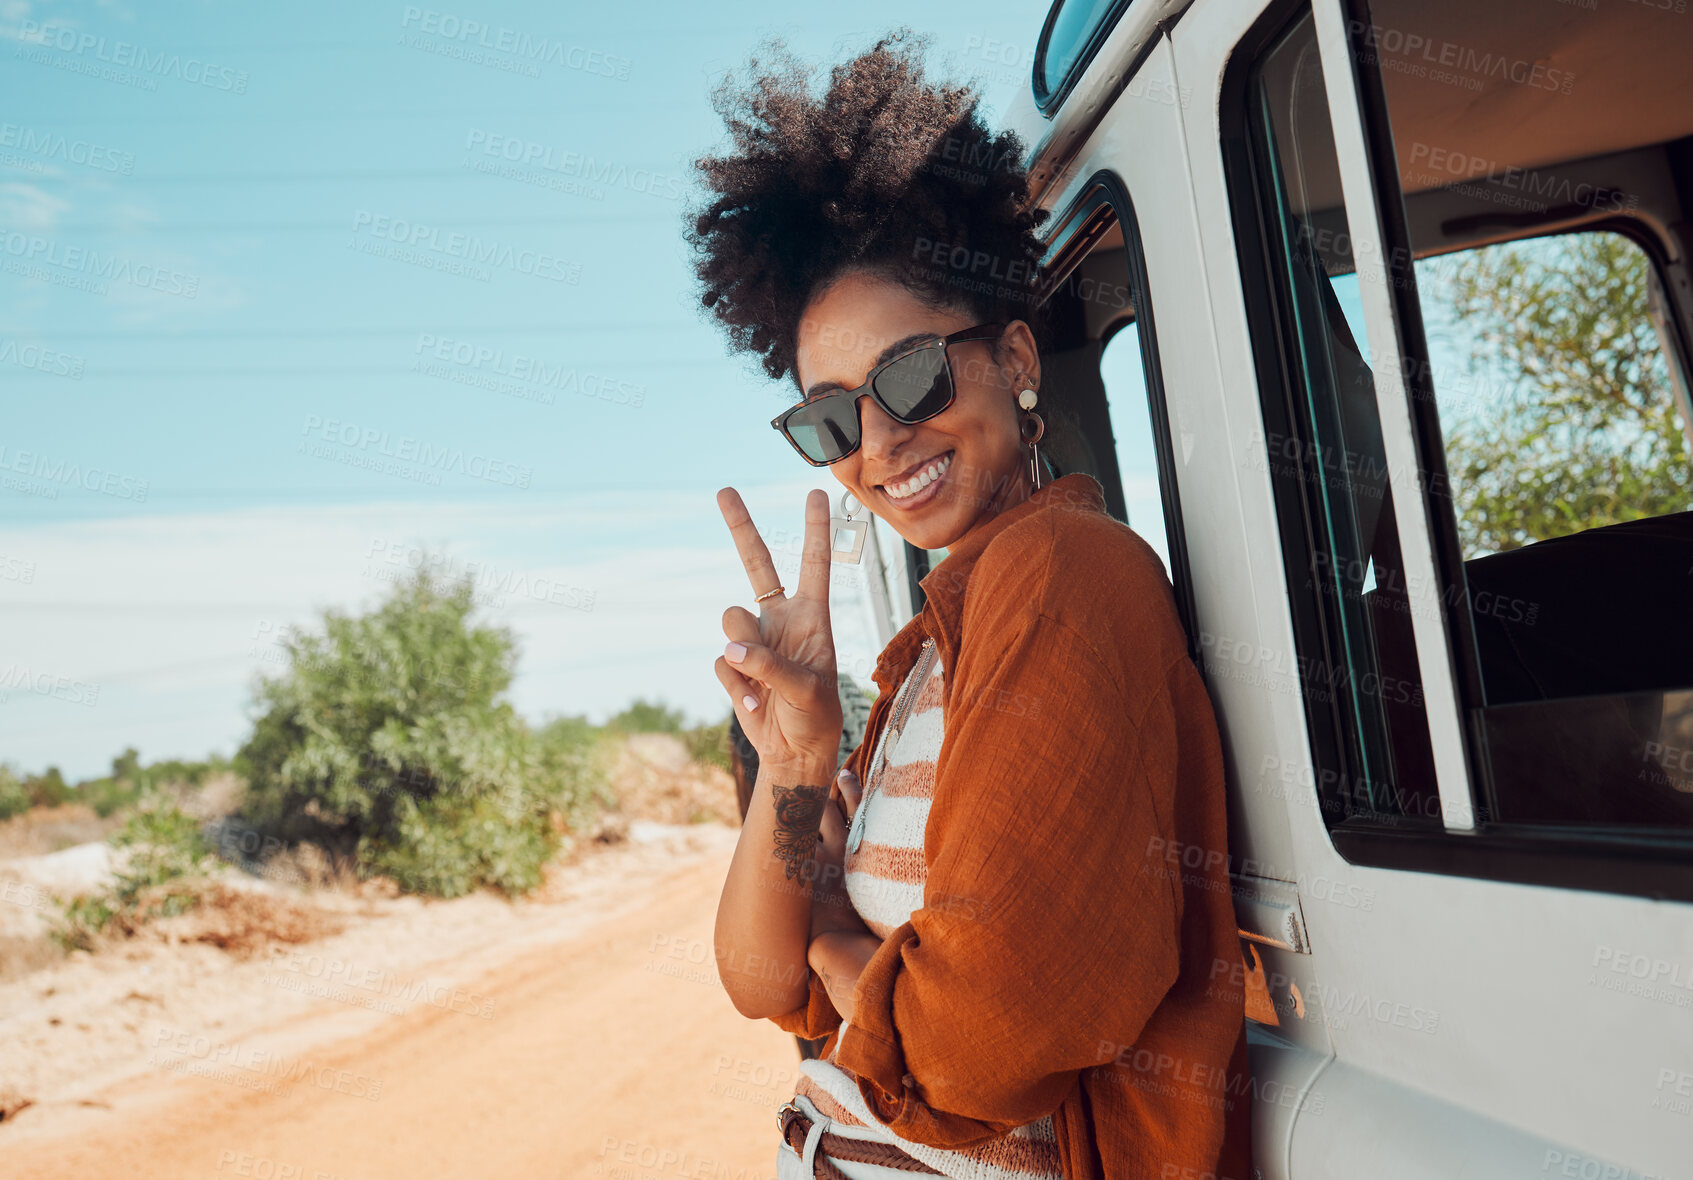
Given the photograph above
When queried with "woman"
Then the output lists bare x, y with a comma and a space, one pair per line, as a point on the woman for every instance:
1032, 969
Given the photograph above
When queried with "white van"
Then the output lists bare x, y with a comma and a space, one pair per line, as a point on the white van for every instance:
1452, 664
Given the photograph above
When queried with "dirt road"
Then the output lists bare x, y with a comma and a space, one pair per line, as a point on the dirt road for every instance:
611, 1053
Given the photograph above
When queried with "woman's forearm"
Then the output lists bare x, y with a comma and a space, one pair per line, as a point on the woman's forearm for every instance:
764, 915
839, 958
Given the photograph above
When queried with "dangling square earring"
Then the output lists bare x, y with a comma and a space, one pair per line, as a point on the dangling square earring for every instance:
846, 535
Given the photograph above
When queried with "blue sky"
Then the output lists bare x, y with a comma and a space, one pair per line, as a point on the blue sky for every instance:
249, 372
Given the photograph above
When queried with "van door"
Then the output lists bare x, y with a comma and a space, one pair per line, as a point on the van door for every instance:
1501, 945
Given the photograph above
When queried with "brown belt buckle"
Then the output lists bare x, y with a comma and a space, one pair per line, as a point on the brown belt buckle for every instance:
785, 1116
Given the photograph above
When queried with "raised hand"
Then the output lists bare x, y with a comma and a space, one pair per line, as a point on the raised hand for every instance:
779, 665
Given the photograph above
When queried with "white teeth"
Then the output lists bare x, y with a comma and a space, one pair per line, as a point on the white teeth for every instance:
920, 481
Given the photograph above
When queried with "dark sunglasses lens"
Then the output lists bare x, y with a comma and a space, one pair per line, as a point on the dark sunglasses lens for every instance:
825, 430
917, 386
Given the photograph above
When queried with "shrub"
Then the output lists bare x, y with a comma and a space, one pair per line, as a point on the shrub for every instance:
648, 717
387, 735
709, 744
166, 850
130, 782
48, 789
14, 798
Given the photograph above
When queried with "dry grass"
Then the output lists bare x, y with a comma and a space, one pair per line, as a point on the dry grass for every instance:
654, 779
42, 830
243, 921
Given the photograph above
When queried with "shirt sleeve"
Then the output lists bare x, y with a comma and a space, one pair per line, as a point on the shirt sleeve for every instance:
1039, 949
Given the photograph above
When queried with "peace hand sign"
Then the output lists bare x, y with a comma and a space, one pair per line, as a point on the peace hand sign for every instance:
779, 666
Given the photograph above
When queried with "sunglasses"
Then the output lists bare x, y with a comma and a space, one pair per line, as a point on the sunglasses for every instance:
911, 387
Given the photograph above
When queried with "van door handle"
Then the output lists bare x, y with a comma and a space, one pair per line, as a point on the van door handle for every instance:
1267, 911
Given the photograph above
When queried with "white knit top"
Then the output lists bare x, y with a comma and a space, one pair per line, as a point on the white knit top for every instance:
884, 880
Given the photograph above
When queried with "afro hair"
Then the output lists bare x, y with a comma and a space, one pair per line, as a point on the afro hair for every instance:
885, 173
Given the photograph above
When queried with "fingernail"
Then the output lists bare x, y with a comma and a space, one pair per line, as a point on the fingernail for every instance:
750, 701
735, 652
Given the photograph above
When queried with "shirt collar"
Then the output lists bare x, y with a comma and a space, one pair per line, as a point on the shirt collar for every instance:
943, 587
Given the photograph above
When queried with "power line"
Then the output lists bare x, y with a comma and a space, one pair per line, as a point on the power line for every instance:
57, 118
347, 333
460, 173
341, 226
278, 374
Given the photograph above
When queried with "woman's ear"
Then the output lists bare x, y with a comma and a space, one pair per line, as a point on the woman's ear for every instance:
1019, 355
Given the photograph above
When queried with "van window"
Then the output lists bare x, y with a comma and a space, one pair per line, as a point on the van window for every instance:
1074, 31
1123, 369
1568, 460
1558, 471
1107, 414
1532, 183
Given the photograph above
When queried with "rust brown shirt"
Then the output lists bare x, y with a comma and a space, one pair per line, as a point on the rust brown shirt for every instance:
1076, 952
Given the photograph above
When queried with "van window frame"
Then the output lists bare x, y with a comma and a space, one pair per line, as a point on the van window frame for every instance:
1076, 231
1047, 101
1630, 863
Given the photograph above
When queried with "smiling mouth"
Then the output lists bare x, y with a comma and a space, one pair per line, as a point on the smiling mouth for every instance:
920, 488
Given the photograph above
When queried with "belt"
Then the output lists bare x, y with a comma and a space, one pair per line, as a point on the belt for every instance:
796, 1124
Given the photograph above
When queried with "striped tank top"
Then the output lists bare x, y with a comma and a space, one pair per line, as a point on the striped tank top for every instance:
885, 875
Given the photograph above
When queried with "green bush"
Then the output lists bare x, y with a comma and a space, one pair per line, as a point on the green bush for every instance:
48, 789
387, 734
166, 848
130, 782
709, 744
19, 792
14, 798
574, 751
648, 717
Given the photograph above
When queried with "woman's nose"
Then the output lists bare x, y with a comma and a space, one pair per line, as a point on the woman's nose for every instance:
882, 433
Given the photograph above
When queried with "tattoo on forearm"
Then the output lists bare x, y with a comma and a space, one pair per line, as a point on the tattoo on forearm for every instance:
799, 812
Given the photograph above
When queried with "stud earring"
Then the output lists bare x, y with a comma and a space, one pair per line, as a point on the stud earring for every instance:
846, 535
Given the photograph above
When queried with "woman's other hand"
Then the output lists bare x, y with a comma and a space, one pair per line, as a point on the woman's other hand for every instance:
831, 909
779, 665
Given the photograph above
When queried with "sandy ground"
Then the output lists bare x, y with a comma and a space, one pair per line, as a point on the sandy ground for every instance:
578, 1033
